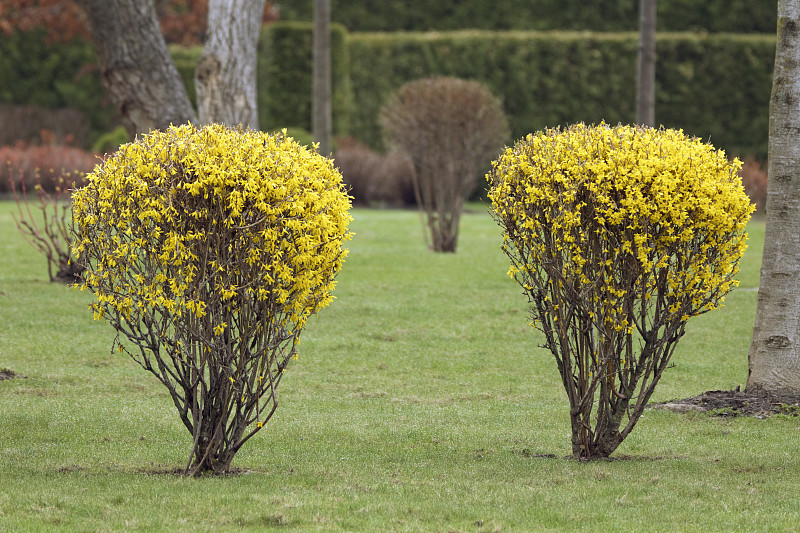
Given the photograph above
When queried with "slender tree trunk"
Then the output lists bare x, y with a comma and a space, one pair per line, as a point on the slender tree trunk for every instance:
137, 69
646, 68
225, 78
321, 122
774, 358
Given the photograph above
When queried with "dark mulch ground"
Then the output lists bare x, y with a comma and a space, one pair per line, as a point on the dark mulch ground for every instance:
7, 373
760, 404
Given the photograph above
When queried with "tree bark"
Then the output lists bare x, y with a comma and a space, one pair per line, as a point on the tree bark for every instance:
646, 67
321, 112
225, 78
136, 66
774, 358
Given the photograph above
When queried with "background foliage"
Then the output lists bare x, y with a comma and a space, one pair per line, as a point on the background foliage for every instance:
714, 85
757, 16
53, 75
284, 77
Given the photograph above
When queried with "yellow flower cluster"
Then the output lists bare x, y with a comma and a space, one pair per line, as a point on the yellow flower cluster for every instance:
615, 214
191, 219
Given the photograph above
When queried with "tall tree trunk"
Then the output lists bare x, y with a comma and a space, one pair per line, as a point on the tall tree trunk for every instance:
137, 69
225, 78
321, 112
646, 67
774, 357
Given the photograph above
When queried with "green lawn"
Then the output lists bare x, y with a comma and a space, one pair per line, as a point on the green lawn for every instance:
420, 402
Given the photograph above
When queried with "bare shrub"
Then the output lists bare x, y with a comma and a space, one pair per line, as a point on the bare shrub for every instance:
45, 225
451, 129
49, 172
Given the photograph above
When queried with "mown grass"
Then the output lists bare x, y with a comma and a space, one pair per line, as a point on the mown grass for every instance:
420, 402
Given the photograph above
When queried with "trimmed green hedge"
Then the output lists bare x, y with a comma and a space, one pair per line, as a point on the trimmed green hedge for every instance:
543, 79
746, 16
285, 62
716, 87
33, 72
284, 81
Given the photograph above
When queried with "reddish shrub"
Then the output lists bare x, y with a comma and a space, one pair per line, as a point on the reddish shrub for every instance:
396, 174
359, 166
374, 178
40, 125
754, 179
49, 165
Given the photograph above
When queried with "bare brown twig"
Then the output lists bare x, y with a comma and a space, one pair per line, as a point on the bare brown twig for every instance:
51, 238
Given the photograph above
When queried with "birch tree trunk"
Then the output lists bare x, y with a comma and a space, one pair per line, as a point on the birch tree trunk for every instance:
136, 66
774, 359
225, 78
321, 85
646, 65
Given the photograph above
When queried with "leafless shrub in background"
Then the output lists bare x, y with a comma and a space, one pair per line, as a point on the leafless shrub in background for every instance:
451, 129
45, 222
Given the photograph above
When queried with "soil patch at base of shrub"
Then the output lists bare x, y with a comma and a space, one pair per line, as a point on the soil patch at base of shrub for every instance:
7, 373
760, 404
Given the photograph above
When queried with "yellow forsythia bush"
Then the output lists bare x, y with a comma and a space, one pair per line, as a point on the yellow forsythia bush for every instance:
618, 236
209, 248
